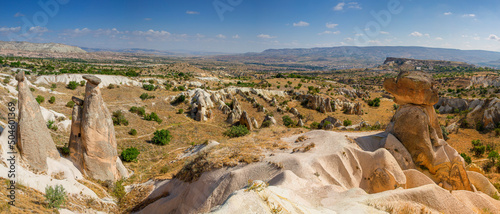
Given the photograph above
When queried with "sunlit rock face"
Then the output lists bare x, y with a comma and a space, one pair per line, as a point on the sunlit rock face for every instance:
415, 124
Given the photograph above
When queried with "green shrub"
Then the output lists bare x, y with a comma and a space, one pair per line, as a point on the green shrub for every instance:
479, 126
375, 102
82, 83
153, 117
478, 148
50, 125
287, 121
181, 88
237, 131
314, 125
138, 110
180, 111
493, 156
72, 85
119, 118
497, 132
40, 99
181, 98
55, 196
326, 123
148, 87
145, 96
395, 106
445, 133
52, 100
65, 150
70, 104
53, 86
6, 80
132, 132
161, 137
32, 89
467, 159
119, 190
130, 154
111, 86
266, 124
347, 122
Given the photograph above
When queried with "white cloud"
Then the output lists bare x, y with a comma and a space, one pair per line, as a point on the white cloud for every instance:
493, 37
447, 13
301, 24
351, 5
152, 33
438, 38
190, 12
265, 36
354, 5
331, 25
476, 38
329, 32
384, 32
236, 36
38, 29
416, 34
18, 14
147, 19
339, 7
470, 15
7, 30
220, 36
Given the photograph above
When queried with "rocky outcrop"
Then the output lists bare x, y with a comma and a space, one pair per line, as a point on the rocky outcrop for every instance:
235, 113
352, 108
329, 123
317, 102
245, 120
92, 141
270, 118
447, 105
416, 126
300, 123
33, 137
486, 81
40, 47
353, 93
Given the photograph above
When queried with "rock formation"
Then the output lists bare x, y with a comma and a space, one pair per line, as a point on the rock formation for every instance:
270, 118
352, 93
92, 142
33, 137
245, 120
416, 126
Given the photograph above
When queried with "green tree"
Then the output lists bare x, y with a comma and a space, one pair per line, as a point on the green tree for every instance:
161, 137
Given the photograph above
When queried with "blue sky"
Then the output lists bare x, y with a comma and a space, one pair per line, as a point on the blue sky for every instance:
237, 26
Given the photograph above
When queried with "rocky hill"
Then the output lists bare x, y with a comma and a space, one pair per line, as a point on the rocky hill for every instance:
352, 56
424, 64
39, 47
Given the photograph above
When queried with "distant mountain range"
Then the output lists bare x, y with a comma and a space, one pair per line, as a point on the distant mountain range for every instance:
352, 56
39, 47
299, 58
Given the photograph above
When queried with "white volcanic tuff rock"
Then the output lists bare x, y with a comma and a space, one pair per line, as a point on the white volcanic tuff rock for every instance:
334, 177
340, 165
491, 116
105, 79
93, 141
352, 93
486, 81
34, 141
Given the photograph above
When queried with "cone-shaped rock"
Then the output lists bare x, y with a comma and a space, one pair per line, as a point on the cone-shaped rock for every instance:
92, 141
34, 141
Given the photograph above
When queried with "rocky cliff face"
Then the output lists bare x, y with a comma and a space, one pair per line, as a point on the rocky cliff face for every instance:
415, 125
34, 141
92, 142
40, 47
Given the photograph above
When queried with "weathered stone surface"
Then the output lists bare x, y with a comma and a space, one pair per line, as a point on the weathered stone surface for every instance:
416, 126
269, 118
482, 183
294, 111
415, 87
352, 93
255, 123
33, 137
331, 120
245, 120
300, 123
399, 152
94, 144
